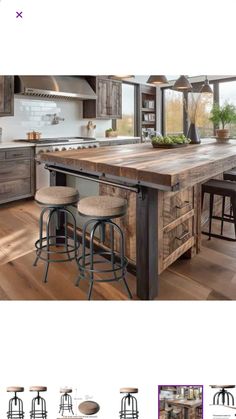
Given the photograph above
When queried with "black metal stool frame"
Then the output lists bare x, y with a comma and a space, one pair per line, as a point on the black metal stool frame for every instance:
43, 251
129, 407
230, 218
66, 404
38, 413
15, 408
223, 394
89, 266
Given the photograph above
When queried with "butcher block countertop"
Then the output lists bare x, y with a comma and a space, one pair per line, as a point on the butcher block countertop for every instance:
186, 403
161, 168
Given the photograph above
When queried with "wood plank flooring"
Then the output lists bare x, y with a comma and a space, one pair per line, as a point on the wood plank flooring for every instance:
211, 275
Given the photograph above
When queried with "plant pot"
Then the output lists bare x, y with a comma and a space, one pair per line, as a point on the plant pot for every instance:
111, 134
222, 134
193, 134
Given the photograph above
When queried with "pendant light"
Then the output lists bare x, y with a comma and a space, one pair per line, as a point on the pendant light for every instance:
157, 80
122, 77
206, 88
182, 85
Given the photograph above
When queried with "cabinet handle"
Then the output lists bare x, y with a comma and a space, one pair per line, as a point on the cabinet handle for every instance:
183, 236
17, 155
185, 204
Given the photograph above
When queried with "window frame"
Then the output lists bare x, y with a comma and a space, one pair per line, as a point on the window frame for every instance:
114, 121
216, 99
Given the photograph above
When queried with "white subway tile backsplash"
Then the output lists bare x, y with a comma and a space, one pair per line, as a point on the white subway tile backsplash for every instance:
30, 114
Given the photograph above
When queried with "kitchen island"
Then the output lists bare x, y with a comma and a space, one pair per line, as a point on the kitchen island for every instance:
163, 189
189, 407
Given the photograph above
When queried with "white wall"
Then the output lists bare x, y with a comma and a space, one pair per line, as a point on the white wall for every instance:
31, 114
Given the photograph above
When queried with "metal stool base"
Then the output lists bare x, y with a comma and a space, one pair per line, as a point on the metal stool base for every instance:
88, 262
223, 394
38, 408
15, 408
49, 246
129, 407
66, 404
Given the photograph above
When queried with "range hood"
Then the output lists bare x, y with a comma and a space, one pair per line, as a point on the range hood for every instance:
57, 87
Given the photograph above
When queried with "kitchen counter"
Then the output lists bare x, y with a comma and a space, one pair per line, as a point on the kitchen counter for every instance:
15, 145
165, 195
120, 138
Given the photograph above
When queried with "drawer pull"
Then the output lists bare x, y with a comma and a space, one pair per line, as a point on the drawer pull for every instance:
183, 236
185, 204
18, 155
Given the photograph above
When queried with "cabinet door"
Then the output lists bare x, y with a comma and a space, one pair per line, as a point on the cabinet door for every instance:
115, 98
6, 95
103, 98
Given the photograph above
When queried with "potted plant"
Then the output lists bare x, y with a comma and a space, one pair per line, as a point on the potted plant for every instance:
221, 116
110, 133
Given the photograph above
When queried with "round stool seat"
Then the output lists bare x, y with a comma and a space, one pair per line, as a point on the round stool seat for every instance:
65, 390
89, 408
130, 390
57, 195
176, 411
38, 388
102, 206
15, 389
222, 386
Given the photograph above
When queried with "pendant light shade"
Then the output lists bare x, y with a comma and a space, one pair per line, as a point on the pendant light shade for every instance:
206, 88
182, 84
157, 80
121, 77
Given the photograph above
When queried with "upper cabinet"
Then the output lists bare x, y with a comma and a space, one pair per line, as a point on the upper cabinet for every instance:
6, 95
108, 104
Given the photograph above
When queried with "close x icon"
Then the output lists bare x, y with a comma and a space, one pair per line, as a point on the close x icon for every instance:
19, 15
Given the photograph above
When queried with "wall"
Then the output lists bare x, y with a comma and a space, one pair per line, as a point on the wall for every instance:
32, 114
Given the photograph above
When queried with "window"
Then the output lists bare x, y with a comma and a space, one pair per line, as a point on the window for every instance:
126, 125
204, 103
173, 112
227, 93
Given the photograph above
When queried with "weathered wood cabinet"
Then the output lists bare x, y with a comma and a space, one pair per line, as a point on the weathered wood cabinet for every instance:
108, 104
17, 170
6, 95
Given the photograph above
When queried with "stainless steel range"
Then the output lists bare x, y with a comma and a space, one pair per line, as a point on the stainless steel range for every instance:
46, 145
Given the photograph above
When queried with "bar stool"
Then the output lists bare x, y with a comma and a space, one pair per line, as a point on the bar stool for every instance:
66, 401
224, 189
89, 408
54, 201
15, 409
168, 411
176, 413
101, 210
129, 404
38, 404
223, 394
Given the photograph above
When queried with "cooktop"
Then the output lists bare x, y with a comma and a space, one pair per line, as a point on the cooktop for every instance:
58, 139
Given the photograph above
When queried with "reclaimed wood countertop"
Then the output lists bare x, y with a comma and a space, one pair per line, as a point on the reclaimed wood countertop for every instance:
160, 168
185, 403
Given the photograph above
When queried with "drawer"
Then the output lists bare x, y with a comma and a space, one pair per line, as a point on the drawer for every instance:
14, 170
18, 153
2, 155
14, 188
175, 238
177, 204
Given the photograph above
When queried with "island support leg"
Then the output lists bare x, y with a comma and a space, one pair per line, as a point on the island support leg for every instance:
57, 229
147, 243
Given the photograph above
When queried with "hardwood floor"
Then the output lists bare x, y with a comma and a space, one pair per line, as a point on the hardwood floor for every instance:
211, 275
